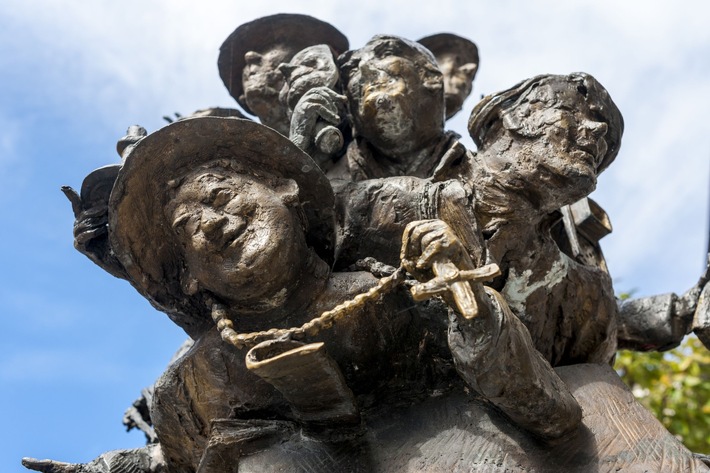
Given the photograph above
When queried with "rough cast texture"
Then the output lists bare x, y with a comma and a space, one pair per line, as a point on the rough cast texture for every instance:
366, 294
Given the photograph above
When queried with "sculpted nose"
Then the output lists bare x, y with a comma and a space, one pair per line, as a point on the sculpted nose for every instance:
252, 57
367, 72
596, 129
212, 223
593, 132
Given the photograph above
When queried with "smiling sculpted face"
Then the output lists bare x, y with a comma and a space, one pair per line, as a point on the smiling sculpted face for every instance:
240, 240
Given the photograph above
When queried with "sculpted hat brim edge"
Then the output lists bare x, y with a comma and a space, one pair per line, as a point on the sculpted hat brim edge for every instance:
97, 185
449, 43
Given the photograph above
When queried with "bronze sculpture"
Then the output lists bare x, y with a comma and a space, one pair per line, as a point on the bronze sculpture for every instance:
458, 60
249, 59
304, 361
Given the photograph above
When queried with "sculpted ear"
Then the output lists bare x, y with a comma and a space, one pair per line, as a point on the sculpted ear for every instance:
287, 190
510, 121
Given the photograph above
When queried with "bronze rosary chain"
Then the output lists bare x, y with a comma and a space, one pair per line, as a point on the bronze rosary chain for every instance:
311, 328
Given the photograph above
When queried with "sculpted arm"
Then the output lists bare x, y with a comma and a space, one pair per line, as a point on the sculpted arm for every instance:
660, 322
493, 352
373, 214
91, 233
148, 459
653, 323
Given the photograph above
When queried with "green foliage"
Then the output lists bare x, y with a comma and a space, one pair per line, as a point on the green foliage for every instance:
675, 386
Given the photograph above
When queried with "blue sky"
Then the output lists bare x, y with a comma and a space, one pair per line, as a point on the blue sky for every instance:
78, 345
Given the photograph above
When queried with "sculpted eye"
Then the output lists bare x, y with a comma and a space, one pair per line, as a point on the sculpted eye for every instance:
241, 207
180, 221
219, 197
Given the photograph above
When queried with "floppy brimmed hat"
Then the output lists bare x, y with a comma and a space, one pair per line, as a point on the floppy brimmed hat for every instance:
140, 233
488, 110
291, 31
97, 185
449, 43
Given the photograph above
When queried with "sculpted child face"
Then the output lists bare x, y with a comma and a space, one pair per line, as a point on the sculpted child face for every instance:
262, 82
395, 94
385, 104
557, 143
458, 81
241, 240
576, 135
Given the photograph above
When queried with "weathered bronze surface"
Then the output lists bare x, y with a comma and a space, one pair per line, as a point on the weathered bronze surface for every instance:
363, 293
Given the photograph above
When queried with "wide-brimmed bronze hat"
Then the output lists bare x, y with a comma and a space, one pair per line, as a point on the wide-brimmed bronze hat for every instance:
139, 231
448, 43
488, 110
293, 32
97, 185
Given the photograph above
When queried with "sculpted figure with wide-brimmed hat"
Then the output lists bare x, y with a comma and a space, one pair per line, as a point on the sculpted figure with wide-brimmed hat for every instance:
250, 56
303, 360
204, 238
199, 214
225, 223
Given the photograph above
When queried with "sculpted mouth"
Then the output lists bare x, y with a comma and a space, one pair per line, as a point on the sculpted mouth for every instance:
233, 239
232, 236
590, 149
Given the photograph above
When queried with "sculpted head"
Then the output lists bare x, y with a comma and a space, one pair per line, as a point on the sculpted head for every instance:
250, 56
233, 227
550, 136
311, 67
395, 91
458, 60
220, 209
262, 81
